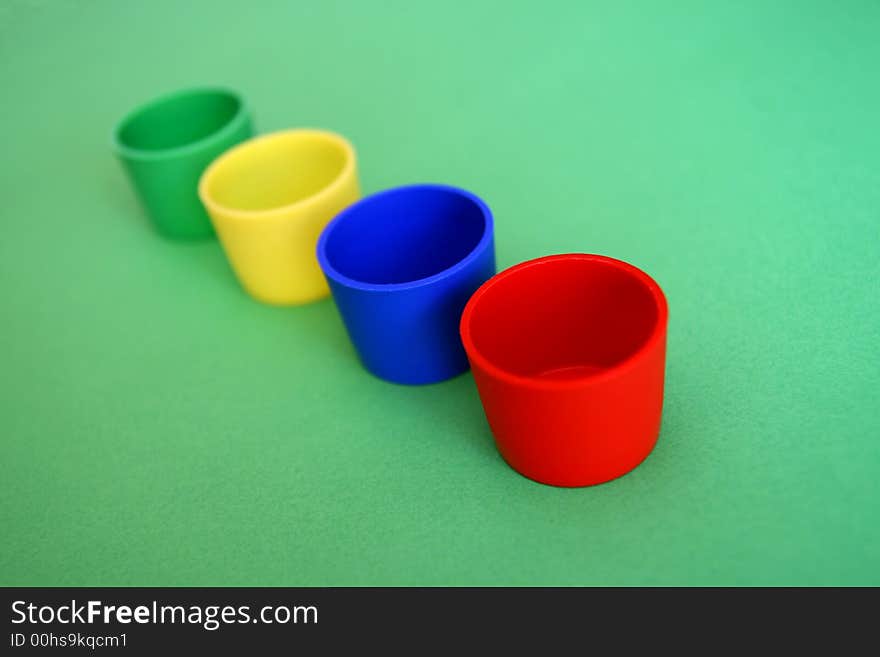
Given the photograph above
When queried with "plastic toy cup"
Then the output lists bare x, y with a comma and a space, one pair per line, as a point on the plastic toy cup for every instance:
401, 265
165, 146
269, 199
568, 354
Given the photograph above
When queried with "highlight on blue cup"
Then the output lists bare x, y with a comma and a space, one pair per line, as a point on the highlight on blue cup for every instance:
401, 265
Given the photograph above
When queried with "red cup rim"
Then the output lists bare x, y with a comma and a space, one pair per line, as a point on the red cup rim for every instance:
535, 382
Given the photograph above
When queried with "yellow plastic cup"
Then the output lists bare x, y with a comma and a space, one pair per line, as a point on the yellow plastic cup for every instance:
269, 198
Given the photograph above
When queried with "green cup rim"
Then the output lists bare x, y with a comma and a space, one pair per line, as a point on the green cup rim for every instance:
185, 149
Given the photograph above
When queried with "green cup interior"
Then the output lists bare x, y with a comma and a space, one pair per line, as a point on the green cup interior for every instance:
178, 120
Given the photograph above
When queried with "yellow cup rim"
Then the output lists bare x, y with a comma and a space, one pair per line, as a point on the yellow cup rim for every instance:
241, 149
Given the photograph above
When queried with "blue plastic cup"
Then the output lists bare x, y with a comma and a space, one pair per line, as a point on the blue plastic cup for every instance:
401, 265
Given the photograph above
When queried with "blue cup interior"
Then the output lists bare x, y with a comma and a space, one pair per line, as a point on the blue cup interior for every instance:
405, 234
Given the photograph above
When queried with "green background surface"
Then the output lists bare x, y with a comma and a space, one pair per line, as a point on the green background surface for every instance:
161, 428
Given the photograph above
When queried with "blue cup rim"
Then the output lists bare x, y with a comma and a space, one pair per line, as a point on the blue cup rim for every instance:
332, 273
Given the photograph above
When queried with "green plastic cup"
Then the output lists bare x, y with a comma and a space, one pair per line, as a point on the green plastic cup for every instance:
166, 144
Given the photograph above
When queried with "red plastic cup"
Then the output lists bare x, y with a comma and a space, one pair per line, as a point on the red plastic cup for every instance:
568, 353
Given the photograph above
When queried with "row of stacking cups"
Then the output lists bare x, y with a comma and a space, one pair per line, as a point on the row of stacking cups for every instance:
567, 351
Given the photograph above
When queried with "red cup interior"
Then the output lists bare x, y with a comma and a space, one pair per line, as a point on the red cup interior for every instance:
563, 317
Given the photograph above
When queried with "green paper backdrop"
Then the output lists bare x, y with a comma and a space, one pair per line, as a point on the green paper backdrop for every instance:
161, 428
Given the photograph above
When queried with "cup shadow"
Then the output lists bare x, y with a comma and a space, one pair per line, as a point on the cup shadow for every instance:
123, 199
455, 408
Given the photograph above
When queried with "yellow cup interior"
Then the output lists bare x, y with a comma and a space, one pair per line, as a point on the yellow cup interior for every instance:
277, 170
